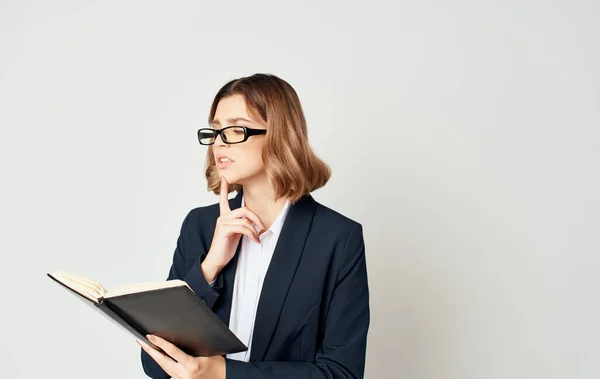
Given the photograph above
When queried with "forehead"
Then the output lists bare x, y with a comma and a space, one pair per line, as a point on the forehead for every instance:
231, 104
231, 109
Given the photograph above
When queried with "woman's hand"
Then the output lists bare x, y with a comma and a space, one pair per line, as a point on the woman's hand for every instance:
228, 231
184, 366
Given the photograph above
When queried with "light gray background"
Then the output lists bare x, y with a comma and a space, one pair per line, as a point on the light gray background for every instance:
464, 136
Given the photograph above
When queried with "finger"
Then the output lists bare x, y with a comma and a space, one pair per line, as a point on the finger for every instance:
243, 229
245, 212
238, 221
164, 361
242, 222
223, 200
172, 350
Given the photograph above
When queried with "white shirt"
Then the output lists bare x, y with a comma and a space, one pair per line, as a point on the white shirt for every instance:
252, 265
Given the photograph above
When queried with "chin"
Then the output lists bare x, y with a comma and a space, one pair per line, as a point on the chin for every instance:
234, 177
231, 177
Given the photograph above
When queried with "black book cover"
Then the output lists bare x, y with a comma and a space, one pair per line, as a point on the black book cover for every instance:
175, 314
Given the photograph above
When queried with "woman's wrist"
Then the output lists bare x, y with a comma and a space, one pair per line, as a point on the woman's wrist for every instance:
209, 269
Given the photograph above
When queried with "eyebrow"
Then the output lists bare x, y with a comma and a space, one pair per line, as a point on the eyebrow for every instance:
230, 120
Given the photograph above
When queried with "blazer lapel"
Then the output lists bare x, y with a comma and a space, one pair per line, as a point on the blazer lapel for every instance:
224, 311
280, 273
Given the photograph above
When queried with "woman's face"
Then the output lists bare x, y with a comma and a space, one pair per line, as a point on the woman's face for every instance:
240, 162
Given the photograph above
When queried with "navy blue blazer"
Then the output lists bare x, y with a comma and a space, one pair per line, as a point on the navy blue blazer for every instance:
313, 312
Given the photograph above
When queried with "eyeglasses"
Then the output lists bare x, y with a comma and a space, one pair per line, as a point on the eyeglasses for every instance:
229, 135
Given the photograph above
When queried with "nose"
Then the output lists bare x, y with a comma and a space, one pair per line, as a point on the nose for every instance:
219, 141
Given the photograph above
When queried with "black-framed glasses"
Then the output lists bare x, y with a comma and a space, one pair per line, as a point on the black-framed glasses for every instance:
229, 135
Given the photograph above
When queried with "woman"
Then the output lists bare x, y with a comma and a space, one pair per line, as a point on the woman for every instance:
287, 274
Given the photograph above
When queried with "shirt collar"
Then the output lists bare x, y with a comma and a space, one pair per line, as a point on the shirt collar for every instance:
278, 223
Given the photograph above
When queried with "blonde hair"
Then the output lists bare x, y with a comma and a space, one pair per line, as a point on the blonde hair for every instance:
291, 165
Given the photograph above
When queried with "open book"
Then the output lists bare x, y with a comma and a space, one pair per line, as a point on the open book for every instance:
96, 293
168, 309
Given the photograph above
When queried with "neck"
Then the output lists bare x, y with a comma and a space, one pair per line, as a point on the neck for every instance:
260, 199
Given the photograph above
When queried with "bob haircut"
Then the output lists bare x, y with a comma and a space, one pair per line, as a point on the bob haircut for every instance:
291, 165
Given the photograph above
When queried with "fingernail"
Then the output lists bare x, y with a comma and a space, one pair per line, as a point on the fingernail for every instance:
150, 337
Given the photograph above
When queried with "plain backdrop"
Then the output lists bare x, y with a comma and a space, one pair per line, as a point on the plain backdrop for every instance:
463, 135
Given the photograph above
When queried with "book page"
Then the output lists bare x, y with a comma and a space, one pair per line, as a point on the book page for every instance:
127, 289
81, 285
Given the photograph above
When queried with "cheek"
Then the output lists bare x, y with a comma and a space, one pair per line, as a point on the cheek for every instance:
252, 158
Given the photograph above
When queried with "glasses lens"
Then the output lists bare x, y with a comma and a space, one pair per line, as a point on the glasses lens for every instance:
206, 136
233, 134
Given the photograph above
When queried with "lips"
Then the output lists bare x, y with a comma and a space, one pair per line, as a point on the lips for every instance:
223, 161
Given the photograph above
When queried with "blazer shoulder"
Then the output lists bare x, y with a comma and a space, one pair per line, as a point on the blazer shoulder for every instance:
204, 210
335, 219
200, 216
347, 233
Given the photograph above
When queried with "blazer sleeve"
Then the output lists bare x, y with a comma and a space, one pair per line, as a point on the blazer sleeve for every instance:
343, 349
188, 270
